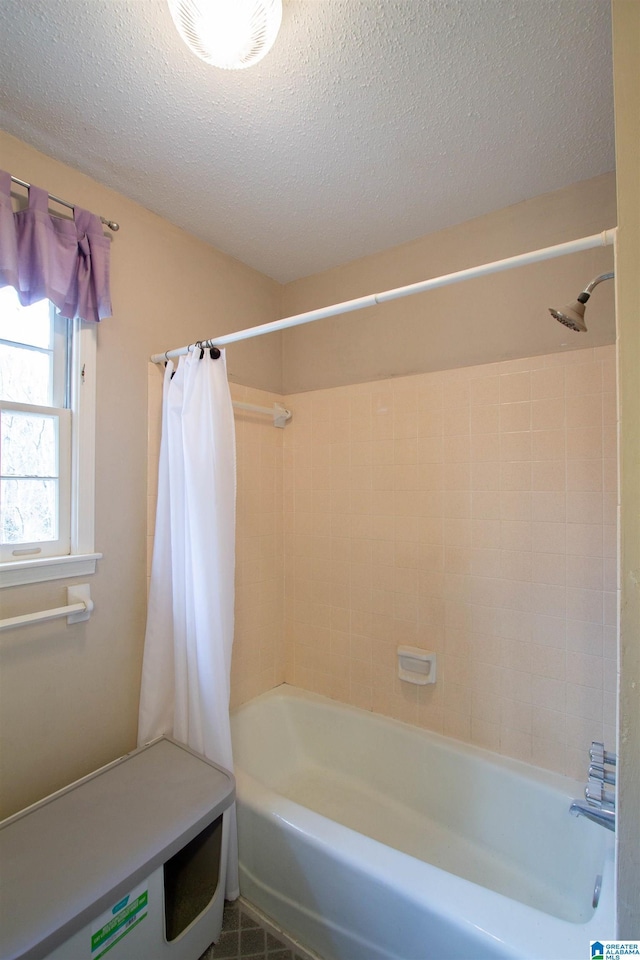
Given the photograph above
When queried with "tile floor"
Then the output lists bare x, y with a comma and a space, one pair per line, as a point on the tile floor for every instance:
243, 937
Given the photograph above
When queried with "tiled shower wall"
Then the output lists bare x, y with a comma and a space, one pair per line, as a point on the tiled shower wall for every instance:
471, 512
258, 646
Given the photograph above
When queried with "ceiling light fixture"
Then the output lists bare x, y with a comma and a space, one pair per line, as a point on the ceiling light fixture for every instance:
231, 34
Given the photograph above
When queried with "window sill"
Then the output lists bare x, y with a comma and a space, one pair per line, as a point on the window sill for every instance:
14, 573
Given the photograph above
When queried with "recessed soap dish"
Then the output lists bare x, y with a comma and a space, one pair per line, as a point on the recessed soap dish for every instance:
416, 665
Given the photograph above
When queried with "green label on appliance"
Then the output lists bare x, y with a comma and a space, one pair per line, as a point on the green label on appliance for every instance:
116, 923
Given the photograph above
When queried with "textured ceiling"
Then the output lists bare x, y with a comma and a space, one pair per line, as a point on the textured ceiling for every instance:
371, 122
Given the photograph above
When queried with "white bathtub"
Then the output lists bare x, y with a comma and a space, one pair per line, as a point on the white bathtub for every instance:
368, 839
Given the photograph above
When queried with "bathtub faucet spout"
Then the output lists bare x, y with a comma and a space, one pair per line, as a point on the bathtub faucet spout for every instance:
606, 818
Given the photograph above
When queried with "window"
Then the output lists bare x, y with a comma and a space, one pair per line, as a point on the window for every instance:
47, 401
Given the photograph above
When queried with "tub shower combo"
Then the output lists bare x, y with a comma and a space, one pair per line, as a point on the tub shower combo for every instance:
369, 839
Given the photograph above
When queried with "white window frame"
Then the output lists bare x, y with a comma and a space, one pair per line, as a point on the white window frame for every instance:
81, 560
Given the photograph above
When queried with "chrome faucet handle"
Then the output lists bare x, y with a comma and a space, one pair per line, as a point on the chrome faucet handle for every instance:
600, 756
597, 796
598, 772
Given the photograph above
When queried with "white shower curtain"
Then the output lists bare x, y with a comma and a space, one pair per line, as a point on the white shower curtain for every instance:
187, 653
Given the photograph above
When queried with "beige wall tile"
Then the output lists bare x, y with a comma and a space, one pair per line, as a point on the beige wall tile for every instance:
384, 518
481, 496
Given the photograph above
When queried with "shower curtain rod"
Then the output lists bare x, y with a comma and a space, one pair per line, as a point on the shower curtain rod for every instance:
604, 239
65, 203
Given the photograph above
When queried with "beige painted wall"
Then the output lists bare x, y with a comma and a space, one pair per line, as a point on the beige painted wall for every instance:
481, 321
69, 695
626, 51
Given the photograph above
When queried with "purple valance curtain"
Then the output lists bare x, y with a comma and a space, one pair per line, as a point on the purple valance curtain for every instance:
45, 257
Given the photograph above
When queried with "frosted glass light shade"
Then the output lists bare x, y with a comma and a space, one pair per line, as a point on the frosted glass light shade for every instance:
231, 34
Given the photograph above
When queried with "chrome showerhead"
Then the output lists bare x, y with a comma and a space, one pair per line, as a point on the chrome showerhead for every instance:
572, 316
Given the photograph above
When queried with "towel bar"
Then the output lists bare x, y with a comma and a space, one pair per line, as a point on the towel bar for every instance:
79, 607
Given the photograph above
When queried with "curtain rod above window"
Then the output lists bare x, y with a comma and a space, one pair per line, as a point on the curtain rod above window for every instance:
65, 203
